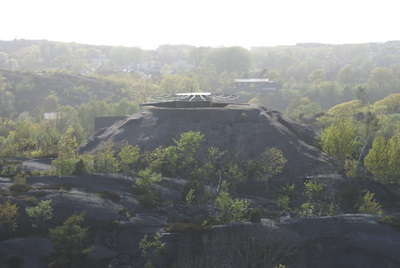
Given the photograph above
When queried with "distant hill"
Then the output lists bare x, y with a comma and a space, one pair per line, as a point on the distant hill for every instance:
71, 89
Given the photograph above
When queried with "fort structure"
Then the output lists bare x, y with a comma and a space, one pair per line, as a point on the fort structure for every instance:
191, 100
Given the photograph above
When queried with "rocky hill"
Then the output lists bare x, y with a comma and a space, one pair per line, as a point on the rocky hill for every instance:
244, 131
118, 222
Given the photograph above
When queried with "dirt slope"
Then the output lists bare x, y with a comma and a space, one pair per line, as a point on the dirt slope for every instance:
243, 130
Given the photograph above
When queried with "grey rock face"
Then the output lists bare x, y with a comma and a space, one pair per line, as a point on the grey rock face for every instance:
244, 131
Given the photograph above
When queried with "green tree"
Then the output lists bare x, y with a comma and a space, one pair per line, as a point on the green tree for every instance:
7, 103
269, 163
48, 140
197, 55
389, 104
383, 159
8, 217
152, 249
105, 161
172, 84
381, 82
317, 76
311, 192
65, 162
40, 214
125, 57
306, 110
229, 209
339, 140
129, 157
184, 152
346, 75
146, 178
69, 250
230, 59
50, 104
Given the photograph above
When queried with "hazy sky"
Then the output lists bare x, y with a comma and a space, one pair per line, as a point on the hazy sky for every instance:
150, 23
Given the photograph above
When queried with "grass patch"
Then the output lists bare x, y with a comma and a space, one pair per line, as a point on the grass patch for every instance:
20, 188
113, 196
392, 221
29, 200
137, 190
4, 192
65, 187
41, 193
186, 225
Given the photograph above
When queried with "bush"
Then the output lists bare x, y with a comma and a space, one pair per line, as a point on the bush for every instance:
148, 200
40, 213
283, 202
20, 188
124, 212
369, 205
68, 243
146, 178
79, 168
229, 209
152, 249
391, 221
199, 192
19, 185
8, 217
256, 214
349, 199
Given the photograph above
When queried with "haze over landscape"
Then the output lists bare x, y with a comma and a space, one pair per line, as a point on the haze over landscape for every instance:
148, 24
284, 151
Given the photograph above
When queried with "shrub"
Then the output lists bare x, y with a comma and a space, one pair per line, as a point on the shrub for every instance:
312, 191
198, 192
4, 192
129, 157
383, 159
68, 243
369, 205
79, 168
146, 178
256, 214
8, 217
391, 221
40, 213
148, 200
19, 188
19, 185
268, 163
229, 209
283, 202
349, 199
152, 249
124, 212
105, 161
